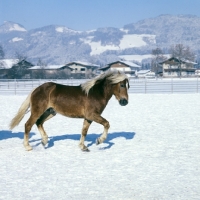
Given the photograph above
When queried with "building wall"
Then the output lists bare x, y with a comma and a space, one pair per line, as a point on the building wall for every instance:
174, 66
120, 67
171, 69
78, 69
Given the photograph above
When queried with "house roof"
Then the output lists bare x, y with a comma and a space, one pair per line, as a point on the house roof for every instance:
85, 64
24, 63
178, 60
143, 71
127, 63
48, 67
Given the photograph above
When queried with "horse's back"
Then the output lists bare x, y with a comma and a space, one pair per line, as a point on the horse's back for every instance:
43, 90
58, 89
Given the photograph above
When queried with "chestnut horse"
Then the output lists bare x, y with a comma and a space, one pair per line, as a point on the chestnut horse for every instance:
86, 101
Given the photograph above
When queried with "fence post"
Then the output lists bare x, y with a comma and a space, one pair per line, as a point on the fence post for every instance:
15, 86
172, 88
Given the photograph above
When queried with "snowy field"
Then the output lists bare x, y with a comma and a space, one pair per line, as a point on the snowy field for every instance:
152, 153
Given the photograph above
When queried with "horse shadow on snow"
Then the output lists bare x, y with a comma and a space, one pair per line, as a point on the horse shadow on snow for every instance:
5, 134
90, 138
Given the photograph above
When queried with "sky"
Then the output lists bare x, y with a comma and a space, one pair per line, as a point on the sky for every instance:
90, 14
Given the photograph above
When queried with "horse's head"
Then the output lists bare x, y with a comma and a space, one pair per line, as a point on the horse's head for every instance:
121, 92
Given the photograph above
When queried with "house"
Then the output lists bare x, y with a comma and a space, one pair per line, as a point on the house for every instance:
20, 69
14, 68
174, 67
75, 69
145, 74
50, 71
81, 69
127, 67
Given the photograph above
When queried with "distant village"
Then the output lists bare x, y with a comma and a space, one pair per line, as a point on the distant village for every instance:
180, 63
22, 69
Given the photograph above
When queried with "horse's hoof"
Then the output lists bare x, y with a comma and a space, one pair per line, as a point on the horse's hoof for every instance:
98, 141
85, 150
28, 148
44, 143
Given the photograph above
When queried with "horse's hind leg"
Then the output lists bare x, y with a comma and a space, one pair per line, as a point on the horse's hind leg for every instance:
86, 125
28, 125
48, 114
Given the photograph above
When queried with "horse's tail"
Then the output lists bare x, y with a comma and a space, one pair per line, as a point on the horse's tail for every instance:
21, 112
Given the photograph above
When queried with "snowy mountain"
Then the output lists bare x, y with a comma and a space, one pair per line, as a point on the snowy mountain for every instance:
10, 27
59, 44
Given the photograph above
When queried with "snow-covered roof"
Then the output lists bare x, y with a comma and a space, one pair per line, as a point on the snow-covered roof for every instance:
8, 63
83, 63
47, 67
131, 64
143, 71
189, 62
183, 60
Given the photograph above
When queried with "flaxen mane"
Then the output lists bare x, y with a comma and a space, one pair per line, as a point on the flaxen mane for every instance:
112, 76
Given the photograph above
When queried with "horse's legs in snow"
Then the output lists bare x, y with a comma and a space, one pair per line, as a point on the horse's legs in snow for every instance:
48, 114
86, 125
105, 123
28, 125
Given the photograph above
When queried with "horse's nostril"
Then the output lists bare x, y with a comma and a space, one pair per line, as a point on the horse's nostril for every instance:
123, 102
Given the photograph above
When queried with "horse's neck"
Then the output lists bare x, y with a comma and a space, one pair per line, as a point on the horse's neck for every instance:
108, 91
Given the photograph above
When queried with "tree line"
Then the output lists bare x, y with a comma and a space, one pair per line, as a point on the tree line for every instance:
178, 51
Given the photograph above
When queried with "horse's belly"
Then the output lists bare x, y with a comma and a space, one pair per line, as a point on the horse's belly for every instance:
71, 111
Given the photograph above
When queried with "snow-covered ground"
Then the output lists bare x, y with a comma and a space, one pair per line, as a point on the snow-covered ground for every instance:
128, 41
152, 153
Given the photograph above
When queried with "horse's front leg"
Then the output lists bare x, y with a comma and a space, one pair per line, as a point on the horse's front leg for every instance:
105, 123
86, 125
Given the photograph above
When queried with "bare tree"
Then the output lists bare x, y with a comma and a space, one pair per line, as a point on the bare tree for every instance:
182, 53
2, 54
1, 57
157, 57
42, 65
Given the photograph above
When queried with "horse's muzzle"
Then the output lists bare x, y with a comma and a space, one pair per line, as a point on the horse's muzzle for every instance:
123, 102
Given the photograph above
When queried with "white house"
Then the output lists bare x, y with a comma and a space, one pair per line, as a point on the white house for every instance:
145, 74
127, 67
174, 67
82, 69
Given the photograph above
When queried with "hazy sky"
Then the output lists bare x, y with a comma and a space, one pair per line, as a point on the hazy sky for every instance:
90, 14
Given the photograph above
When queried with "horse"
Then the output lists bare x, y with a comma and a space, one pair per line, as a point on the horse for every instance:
87, 101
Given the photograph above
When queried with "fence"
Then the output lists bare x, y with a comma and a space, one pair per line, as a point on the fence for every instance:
173, 85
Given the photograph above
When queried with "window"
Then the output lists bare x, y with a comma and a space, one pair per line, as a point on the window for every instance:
82, 69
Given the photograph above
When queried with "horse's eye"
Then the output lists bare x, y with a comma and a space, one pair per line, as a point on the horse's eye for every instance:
122, 85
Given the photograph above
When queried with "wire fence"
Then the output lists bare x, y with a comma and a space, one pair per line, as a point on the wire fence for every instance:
165, 85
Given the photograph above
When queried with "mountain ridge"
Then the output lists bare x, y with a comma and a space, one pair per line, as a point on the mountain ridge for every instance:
57, 44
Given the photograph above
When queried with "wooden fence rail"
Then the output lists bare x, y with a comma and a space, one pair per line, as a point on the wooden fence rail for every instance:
173, 85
